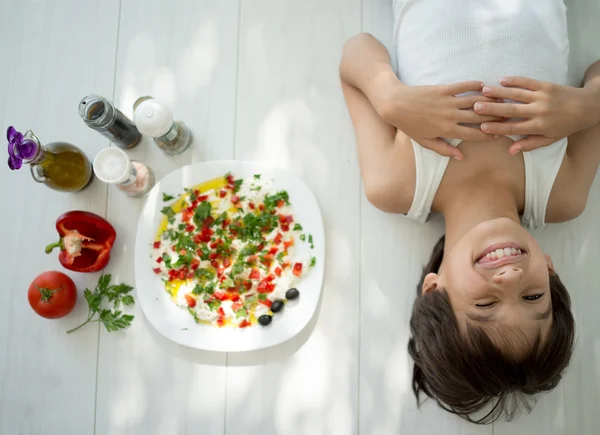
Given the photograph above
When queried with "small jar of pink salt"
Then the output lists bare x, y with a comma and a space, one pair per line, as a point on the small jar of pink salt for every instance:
113, 166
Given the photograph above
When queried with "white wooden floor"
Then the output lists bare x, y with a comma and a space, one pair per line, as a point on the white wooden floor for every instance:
254, 79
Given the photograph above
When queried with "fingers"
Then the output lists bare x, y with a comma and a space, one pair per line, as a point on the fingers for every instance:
441, 147
462, 87
468, 102
505, 110
522, 82
509, 128
522, 95
531, 143
470, 117
468, 133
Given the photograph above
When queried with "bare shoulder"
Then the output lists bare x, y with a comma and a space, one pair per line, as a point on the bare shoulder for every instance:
391, 187
569, 193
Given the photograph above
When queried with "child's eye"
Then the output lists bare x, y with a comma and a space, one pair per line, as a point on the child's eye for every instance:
486, 305
533, 297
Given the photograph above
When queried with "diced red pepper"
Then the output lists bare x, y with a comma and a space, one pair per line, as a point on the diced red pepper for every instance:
261, 207
197, 239
226, 263
289, 219
220, 321
156, 245
182, 274
286, 245
255, 274
298, 269
222, 194
266, 302
221, 311
273, 250
280, 203
282, 218
244, 323
187, 215
214, 264
262, 287
205, 237
202, 198
220, 296
251, 206
220, 271
270, 288
285, 228
159, 260
248, 285
225, 223
196, 192
230, 179
191, 301
195, 203
199, 252
234, 296
285, 265
235, 199
213, 256
195, 264
156, 270
261, 247
278, 238
207, 223
213, 245
189, 228
278, 271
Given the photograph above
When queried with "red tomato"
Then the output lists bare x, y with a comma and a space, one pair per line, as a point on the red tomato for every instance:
189, 228
156, 245
226, 263
226, 223
221, 312
282, 218
156, 270
244, 323
235, 199
182, 274
222, 194
202, 198
159, 260
195, 264
297, 269
273, 250
255, 274
286, 245
248, 285
214, 264
187, 215
289, 219
52, 295
270, 278
277, 239
230, 179
236, 306
252, 206
266, 302
278, 271
190, 300
280, 203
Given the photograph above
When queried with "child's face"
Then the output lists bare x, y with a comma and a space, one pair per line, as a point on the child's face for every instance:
506, 288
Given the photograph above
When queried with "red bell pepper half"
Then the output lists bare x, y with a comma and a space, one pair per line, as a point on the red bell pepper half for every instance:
85, 241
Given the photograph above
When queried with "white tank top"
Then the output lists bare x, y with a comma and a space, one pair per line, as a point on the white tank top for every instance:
450, 41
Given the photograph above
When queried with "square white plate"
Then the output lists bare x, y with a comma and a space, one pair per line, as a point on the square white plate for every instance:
175, 323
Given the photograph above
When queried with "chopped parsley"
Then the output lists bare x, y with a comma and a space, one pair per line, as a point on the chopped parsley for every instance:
297, 227
313, 261
238, 185
310, 240
169, 213
271, 201
280, 257
257, 176
262, 297
167, 197
202, 212
166, 259
303, 237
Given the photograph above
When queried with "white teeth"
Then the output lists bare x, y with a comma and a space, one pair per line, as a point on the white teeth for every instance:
506, 252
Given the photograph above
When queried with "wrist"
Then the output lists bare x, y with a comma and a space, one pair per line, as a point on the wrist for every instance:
385, 93
591, 101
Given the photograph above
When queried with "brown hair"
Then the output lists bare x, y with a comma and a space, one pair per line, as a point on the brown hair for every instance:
467, 375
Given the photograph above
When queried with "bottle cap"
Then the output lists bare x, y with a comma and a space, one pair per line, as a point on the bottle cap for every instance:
153, 118
112, 166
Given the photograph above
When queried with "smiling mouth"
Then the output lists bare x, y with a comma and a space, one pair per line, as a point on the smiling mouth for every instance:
501, 254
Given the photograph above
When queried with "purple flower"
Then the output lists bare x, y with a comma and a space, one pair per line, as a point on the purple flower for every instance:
19, 149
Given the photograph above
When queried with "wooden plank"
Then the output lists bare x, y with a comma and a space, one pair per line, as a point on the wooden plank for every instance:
51, 59
571, 407
393, 253
184, 54
291, 114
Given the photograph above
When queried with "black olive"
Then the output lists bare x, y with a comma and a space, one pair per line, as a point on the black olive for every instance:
265, 319
277, 306
292, 293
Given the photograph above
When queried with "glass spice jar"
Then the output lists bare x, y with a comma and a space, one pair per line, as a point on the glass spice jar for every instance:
59, 165
101, 115
113, 166
154, 119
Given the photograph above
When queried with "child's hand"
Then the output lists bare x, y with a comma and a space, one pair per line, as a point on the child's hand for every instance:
428, 113
549, 111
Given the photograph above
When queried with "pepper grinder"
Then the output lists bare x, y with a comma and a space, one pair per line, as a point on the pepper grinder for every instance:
101, 115
154, 119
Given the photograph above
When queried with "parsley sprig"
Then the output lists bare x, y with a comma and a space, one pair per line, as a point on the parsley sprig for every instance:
117, 295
